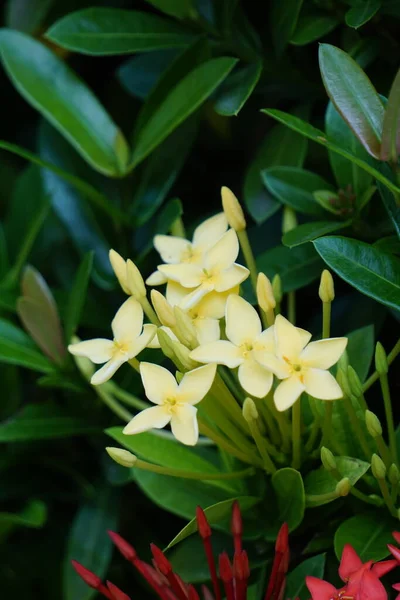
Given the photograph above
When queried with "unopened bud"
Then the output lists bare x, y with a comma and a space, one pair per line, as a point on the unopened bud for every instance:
232, 209
289, 220
119, 267
326, 287
277, 288
166, 343
354, 382
185, 329
250, 412
122, 457
328, 460
373, 424
343, 361
265, 294
135, 281
343, 487
342, 381
394, 474
163, 309
381, 363
378, 467
182, 354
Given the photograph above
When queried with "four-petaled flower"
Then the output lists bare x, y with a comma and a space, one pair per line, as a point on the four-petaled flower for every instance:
303, 366
175, 402
130, 338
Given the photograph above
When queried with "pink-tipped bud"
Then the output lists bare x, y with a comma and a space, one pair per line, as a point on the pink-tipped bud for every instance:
203, 525
126, 549
207, 595
236, 523
116, 593
282, 540
88, 577
396, 535
241, 568
161, 561
225, 568
395, 551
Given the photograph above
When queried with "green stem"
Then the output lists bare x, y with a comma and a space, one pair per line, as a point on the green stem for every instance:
326, 319
115, 406
313, 436
383, 451
356, 493
387, 498
255, 432
356, 426
228, 401
272, 429
390, 358
296, 434
146, 466
226, 445
248, 257
389, 416
126, 397
291, 298
149, 311
135, 364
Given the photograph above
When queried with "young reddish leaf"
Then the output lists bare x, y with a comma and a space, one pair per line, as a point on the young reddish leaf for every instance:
391, 124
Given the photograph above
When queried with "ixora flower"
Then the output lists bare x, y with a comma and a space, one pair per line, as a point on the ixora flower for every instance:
246, 341
228, 579
217, 272
175, 402
303, 366
130, 338
176, 250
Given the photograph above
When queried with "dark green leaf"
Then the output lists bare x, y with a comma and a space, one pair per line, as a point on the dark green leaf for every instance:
297, 266
103, 31
290, 500
311, 231
138, 75
369, 270
390, 244
237, 89
296, 580
77, 296
283, 21
175, 8
362, 12
295, 187
390, 148
312, 27
33, 515
360, 349
161, 225
69, 106
367, 534
16, 348
27, 15
182, 101
89, 542
319, 482
353, 95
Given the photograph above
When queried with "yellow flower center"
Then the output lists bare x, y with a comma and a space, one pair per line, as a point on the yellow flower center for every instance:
120, 347
190, 255
170, 404
208, 277
296, 368
246, 348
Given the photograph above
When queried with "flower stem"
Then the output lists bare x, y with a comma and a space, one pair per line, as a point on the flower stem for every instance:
255, 432
389, 416
327, 427
114, 405
387, 498
313, 436
383, 451
135, 364
272, 429
296, 434
326, 319
149, 311
248, 256
390, 358
225, 444
126, 397
356, 426
291, 299
146, 466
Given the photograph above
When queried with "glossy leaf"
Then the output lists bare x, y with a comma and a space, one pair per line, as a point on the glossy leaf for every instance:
389, 244
361, 12
319, 482
104, 31
139, 74
312, 27
16, 348
69, 106
283, 20
175, 8
360, 350
237, 88
297, 266
353, 95
77, 296
368, 534
390, 148
296, 580
289, 491
311, 231
182, 101
294, 187
366, 268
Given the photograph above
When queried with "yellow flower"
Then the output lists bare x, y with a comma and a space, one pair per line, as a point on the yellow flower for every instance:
128, 275
303, 366
176, 250
130, 338
218, 271
246, 343
175, 402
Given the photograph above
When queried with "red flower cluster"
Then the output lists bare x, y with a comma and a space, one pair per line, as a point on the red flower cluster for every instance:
232, 578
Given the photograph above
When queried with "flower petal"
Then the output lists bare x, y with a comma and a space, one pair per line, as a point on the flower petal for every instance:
171, 248
324, 353
242, 321
175, 293
221, 352
196, 384
305, 336
213, 305
128, 322
274, 364
158, 382
320, 589
289, 342
119, 267
231, 277
370, 588
210, 231
191, 300
254, 379
107, 370
383, 567
207, 330
349, 563
155, 417
98, 350
224, 253
156, 278
322, 385
186, 274
154, 343
287, 392
184, 425
144, 340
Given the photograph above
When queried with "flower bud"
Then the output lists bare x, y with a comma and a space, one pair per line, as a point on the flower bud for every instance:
381, 363
265, 294
232, 209
119, 267
342, 381
373, 424
250, 412
343, 487
354, 382
378, 467
122, 457
394, 474
343, 361
165, 343
289, 220
277, 288
135, 281
328, 460
326, 287
182, 354
163, 309
185, 329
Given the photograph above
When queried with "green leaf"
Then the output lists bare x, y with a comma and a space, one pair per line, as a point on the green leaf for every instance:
180, 9
372, 272
16, 348
27, 15
162, 225
295, 187
290, 499
69, 106
361, 349
89, 542
312, 27
392, 208
297, 266
183, 100
362, 12
33, 515
77, 296
390, 148
320, 482
215, 513
390, 244
139, 74
368, 534
296, 580
311, 231
42, 422
283, 20
103, 31
353, 95
237, 88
